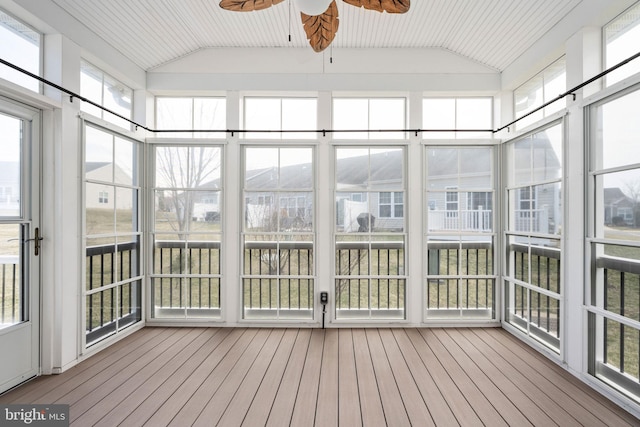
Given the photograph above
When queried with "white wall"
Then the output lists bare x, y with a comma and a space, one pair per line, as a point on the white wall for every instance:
299, 70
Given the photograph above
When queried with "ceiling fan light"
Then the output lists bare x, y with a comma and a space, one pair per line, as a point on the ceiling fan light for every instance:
313, 7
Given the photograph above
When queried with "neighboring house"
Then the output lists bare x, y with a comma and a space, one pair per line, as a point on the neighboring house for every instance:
618, 208
452, 206
104, 196
267, 199
538, 208
354, 206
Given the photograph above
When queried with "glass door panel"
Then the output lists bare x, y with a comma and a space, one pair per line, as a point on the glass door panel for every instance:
19, 275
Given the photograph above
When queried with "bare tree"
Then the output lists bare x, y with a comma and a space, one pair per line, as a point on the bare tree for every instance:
632, 191
182, 170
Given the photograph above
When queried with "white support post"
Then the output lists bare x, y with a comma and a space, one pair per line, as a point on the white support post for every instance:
62, 273
414, 212
323, 220
231, 292
580, 59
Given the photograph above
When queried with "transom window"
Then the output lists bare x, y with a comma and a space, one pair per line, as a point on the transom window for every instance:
620, 42
275, 114
457, 113
369, 113
106, 91
188, 113
543, 87
21, 45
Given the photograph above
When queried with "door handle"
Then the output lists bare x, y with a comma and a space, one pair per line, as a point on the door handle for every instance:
36, 241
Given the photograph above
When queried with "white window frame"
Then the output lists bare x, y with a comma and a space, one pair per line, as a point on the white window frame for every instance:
26, 32
367, 241
366, 134
186, 310
117, 284
275, 127
192, 121
546, 95
448, 291
597, 312
99, 112
619, 26
435, 133
271, 243
532, 251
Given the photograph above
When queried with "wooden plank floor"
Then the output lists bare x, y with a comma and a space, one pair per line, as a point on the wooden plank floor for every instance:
331, 377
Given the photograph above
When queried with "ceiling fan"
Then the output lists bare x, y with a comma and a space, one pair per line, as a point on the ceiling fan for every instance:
319, 17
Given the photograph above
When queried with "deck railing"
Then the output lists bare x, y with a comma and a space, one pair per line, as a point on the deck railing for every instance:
539, 311
278, 279
186, 278
620, 342
10, 290
110, 308
370, 280
460, 281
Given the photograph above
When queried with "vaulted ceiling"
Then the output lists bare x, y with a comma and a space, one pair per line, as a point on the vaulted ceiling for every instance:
155, 32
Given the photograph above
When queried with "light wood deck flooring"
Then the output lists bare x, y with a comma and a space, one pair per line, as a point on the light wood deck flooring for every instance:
316, 377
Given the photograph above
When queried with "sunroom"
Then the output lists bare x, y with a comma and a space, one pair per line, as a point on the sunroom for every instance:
460, 173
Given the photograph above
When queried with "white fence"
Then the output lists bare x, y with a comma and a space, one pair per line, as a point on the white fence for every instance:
464, 220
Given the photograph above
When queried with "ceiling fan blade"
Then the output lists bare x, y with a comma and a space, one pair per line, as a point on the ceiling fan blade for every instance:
247, 5
389, 6
321, 29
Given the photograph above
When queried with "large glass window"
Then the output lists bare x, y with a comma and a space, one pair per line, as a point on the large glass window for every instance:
614, 299
620, 42
275, 114
13, 285
542, 88
21, 46
187, 233
112, 233
354, 114
184, 113
370, 233
104, 90
461, 276
457, 113
533, 291
278, 233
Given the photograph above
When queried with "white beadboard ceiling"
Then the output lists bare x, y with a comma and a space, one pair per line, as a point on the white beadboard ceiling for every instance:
154, 32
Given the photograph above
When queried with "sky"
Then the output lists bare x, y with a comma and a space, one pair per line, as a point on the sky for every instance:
22, 53
9, 139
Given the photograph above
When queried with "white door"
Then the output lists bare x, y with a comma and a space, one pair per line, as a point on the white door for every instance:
19, 244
